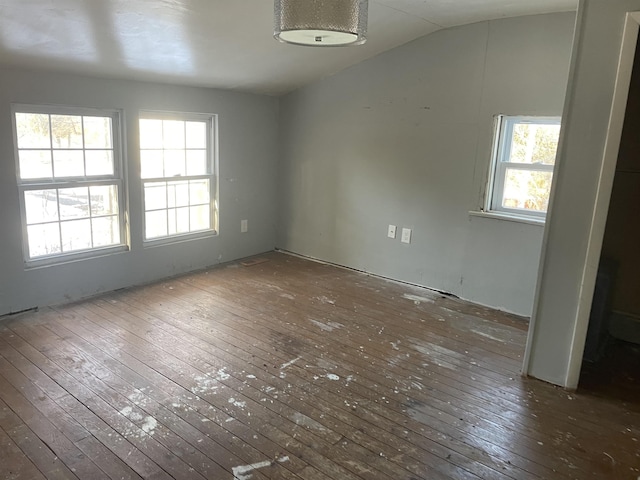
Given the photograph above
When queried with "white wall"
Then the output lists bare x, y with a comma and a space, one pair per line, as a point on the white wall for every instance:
405, 139
575, 229
247, 159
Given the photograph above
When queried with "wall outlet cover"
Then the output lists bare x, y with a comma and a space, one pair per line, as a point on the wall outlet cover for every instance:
406, 235
391, 232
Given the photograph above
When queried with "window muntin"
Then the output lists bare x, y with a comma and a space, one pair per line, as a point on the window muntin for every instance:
524, 159
70, 180
177, 170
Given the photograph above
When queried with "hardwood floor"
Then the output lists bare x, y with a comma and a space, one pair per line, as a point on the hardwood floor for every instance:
291, 369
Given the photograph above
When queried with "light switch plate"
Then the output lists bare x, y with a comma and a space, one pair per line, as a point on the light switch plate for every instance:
406, 235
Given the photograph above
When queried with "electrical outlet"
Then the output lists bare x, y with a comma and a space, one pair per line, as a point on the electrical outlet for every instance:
391, 233
244, 226
406, 235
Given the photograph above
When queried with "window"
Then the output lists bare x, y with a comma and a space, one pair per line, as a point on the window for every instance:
524, 157
70, 179
177, 170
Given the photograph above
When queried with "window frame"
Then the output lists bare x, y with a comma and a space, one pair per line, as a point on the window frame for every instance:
211, 121
502, 140
118, 178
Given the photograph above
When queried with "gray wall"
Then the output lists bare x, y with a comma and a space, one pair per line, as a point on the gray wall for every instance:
405, 139
248, 163
574, 231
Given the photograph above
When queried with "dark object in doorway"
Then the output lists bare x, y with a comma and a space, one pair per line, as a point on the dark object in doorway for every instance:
598, 333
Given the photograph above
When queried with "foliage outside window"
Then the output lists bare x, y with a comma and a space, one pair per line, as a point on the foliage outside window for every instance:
177, 167
70, 180
524, 158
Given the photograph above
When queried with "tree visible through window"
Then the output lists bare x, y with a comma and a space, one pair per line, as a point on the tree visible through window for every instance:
524, 159
69, 175
176, 160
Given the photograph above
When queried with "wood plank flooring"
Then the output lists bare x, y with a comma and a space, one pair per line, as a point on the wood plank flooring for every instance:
292, 369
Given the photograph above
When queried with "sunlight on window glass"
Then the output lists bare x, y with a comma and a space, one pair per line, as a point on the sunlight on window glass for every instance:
97, 132
170, 149
32, 130
69, 151
99, 162
534, 143
41, 206
527, 190
150, 133
66, 131
35, 164
44, 239
76, 235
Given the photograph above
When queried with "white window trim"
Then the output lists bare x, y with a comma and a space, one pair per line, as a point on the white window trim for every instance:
495, 188
212, 149
118, 178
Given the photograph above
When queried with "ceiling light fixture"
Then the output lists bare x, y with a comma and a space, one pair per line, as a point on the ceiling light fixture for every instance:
321, 23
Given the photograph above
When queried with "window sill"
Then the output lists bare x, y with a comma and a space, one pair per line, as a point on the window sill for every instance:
509, 217
180, 238
72, 257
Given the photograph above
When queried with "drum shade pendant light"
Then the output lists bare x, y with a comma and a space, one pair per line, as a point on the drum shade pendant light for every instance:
321, 23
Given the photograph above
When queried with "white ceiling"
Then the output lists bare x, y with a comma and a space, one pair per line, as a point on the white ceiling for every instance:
216, 43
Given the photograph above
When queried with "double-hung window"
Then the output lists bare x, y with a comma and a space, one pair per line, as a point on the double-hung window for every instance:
69, 169
178, 175
522, 170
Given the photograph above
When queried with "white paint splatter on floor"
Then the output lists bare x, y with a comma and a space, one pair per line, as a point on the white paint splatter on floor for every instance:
332, 376
491, 333
327, 327
287, 295
441, 356
304, 421
148, 426
324, 299
237, 403
417, 299
289, 363
243, 472
204, 385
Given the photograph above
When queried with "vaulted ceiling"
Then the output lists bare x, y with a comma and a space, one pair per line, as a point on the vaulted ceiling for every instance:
215, 43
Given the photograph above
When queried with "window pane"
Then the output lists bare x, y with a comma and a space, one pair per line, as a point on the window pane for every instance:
174, 163
97, 132
66, 131
199, 191
74, 202
199, 217
196, 135
178, 220
151, 164
35, 164
43, 239
68, 163
527, 190
197, 162
178, 194
104, 200
155, 196
150, 133
534, 143
41, 206
173, 134
33, 130
76, 235
156, 224
106, 231
99, 162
